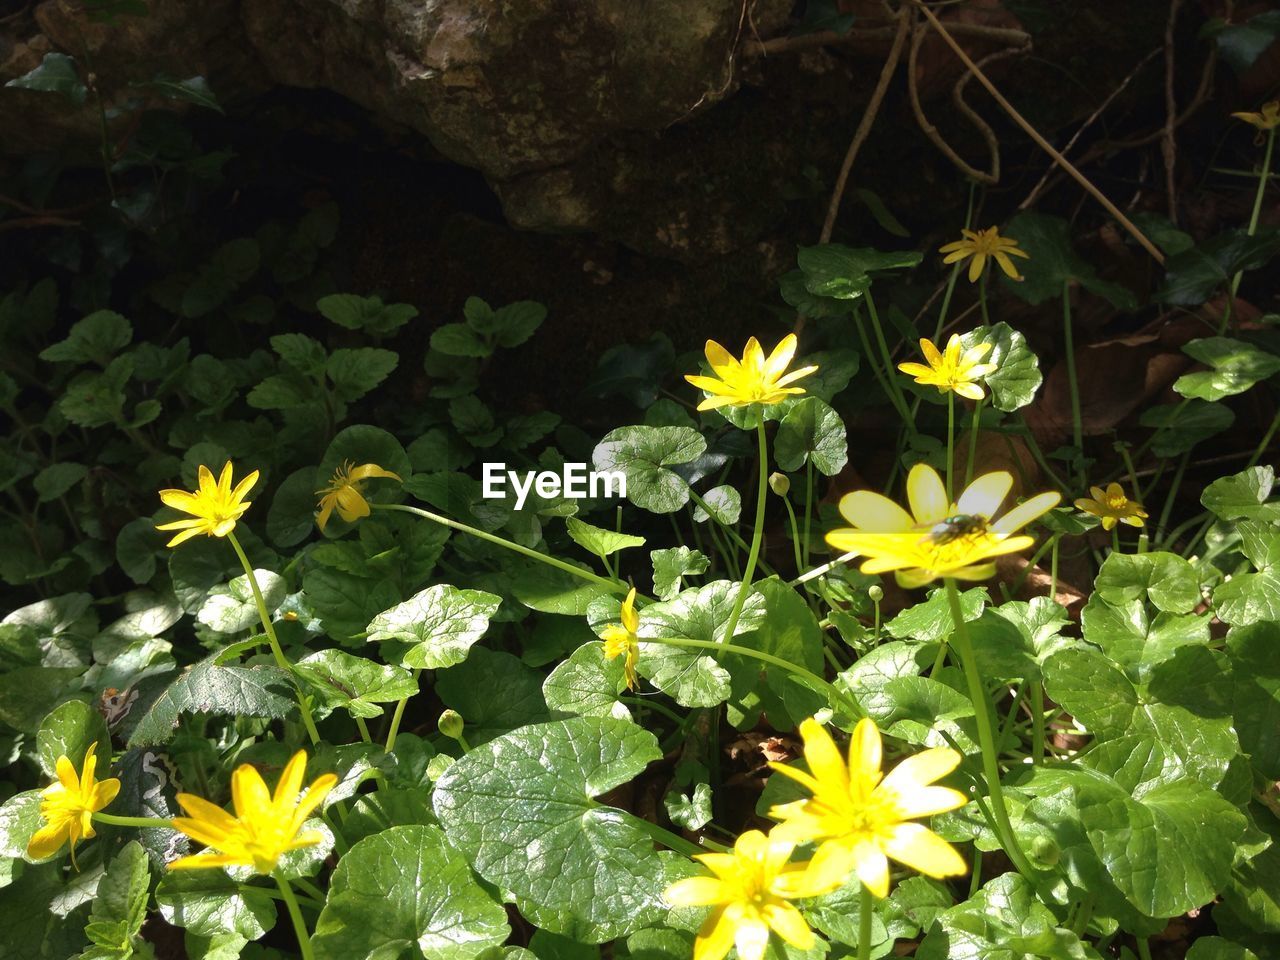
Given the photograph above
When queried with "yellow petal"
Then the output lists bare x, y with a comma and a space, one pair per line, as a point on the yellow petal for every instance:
715, 938
931, 354
917, 370
186, 535
290, 782
180, 500
224, 481
208, 487
789, 924
919, 848
630, 619
984, 496
327, 503
351, 505
975, 270
781, 357
865, 755
1025, 512
66, 772
751, 937
921, 769
368, 471
796, 774
823, 757
1006, 265
753, 356
244, 486
249, 794
832, 862
970, 391
872, 868
203, 861
48, 840
695, 892
874, 513
315, 794
203, 832
721, 360
105, 792
713, 403
795, 375
927, 495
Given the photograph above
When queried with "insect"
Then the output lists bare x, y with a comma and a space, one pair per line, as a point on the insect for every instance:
957, 527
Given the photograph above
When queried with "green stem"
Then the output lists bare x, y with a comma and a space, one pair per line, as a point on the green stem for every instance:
1173, 495
730, 533
833, 693
140, 822
1144, 949
795, 535
757, 534
304, 704
982, 298
1253, 224
869, 356
1037, 722
982, 714
808, 511
866, 907
974, 430
951, 445
396, 717
364, 730
614, 586
668, 839
1115, 539
1080, 922
295, 914
1073, 385
899, 400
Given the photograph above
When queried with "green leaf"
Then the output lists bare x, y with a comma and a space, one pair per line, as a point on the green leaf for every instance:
355, 372
303, 353
366, 313
846, 273
260, 691
291, 517
598, 540
724, 504
1243, 496
494, 692
1165, 579
1255, 696
587, 685
790, 632
345, 603
548, 590
1134, 639
1235, 366
1017, 376
1193, 275
442, 623
353, 683
643, 454
474, 420
1052, 263
68, 731
1003, 921
1250, 597
672, 565
1241, 44
25, 693
120, 906
230, 607
459, 340
689, 811
521, 809
1180, 426
228, 269
511, 325
931, 620
811, 432
192, 90
407, 889
97, 399
95, 339
365, 444
58, 478
1215, 948
19, 819
56, 74
209, 903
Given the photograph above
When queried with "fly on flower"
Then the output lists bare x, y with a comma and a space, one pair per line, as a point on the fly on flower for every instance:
981, 244
621, 640
953, 369
215, 506
753, 379
751, 889
345, 492
862, 818
68, 806
937, 538
265, 825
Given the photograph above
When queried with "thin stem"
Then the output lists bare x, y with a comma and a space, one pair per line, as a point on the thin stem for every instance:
139, 822
868, 354
899, 400
304, 702
982, 714
730, 533
866, 907
1144, 948
1115, 539
808, 508
757, 534
795, 534
982, 297
364, 730
668, 839
974, 430
1253, 224
833, 693
1037, 722
295, 914
951, 445
1077, 425
613, 585
396, 717
1173, 495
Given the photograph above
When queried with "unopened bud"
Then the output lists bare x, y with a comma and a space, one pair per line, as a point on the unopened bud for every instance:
876, 593
779, 483
1046, 850
450, 724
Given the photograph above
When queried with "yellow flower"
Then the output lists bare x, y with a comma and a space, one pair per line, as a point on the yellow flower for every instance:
344, 492
938, 538
750, 892
264, 828
981, 244
753, 379
68, 807
1267, 119
1113, 506
621, 640
862, 817
215, 507
956, 369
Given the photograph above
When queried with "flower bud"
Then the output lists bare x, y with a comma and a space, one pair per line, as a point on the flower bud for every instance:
876, 593
779, 483
1045, 850
450, 724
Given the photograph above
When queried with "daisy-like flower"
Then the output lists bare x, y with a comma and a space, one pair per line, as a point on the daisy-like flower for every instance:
981, 244
68, 806
1112, 506
937, 538
1267, 118
751, 892
955, 368
215, 506
265, 826
862, 818
344, 492
753, 379
620, 640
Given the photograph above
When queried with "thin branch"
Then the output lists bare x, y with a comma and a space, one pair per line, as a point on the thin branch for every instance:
828, 38
1168, 146
1044, 144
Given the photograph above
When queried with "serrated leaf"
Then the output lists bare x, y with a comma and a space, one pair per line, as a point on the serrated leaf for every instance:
811, 432
120, 906
353, 683
643, 455
95, 339
303, 353
672, 565
586, 685
57, 479
459, 340
366, 313
1134, 639
354, 372
521, 808
441, 622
